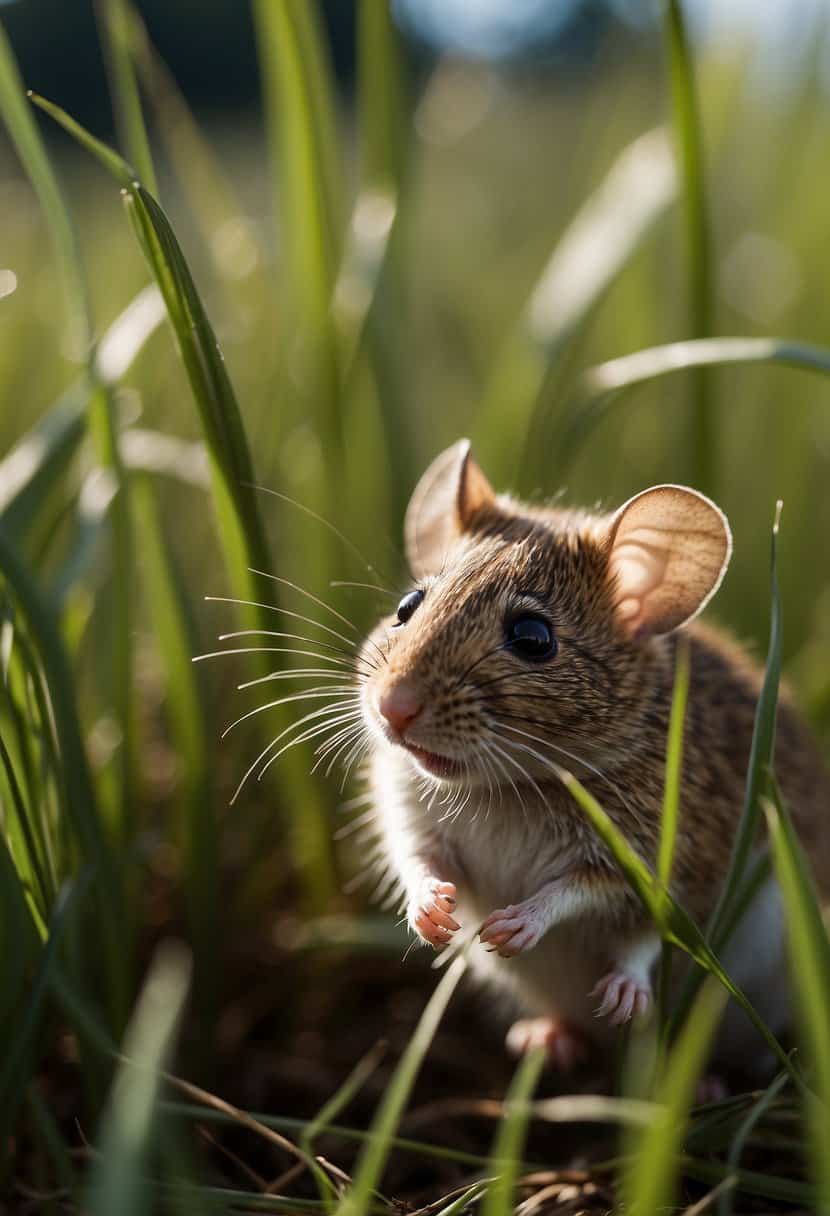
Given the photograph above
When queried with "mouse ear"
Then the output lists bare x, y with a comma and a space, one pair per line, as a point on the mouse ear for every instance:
669, 549
450, 493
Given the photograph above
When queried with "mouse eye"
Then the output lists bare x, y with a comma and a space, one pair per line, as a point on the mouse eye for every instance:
531, 637
408, 605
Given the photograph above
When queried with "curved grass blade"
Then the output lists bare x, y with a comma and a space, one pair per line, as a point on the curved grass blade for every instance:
117, 1182
810, 969
101, 415
649, 1178
674, 923
674, 763
689, 144
373, 1158
603, 385
595, 247
38, 461
509, 1142
240, 523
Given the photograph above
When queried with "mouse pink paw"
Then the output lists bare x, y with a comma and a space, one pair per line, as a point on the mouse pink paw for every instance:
621, 997
565, 1047
430, 913
512, 930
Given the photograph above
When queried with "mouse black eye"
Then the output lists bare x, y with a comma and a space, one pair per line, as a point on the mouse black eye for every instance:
408, 605
531, 637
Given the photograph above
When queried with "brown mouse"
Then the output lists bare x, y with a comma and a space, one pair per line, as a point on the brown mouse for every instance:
538, 637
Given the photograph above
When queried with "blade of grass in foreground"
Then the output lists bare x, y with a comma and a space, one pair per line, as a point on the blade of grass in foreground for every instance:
117, 1183
674, 923
809, 951
671, 801
649, 1179
369, 1169
509, 1141
689, 144
239, 520
723, 920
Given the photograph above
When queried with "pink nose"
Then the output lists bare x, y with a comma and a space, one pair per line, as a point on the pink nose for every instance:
400, 706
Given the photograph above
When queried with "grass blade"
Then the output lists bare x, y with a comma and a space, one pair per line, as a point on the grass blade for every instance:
117, 1181
370, 1166
509, 1142
113, 17
699, 261
674, 763
648, 1180
597, 244
381, 97
810, 970
606, 383
238, 516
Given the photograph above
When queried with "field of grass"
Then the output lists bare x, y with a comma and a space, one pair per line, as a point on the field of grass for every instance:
199, 1010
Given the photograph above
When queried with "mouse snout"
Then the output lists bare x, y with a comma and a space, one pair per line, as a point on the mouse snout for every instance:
400, 706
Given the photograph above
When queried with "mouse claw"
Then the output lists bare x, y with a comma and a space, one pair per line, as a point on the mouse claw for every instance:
622, 997
430, 913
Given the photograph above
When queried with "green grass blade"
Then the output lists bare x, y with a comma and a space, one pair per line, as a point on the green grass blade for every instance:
699, 259
613, 222
509, 1142
674, 923
649, 1179
117, 1181
79, 791
234, 496
113, 17
810, 970
674, 763
757, 1112
300, 118
369, 1169
38, 461
381, 97
26, 138
607, 383
19, 1046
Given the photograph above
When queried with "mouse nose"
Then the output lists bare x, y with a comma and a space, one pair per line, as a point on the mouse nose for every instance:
400, 706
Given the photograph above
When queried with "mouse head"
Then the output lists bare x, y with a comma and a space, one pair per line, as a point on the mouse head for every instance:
528, 637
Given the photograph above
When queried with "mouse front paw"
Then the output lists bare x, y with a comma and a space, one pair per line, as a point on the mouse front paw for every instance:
430, 912
512, 930
621, 997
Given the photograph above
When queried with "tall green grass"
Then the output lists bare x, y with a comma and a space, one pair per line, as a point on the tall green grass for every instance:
328, 355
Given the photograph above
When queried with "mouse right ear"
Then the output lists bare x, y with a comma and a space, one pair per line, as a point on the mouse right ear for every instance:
669, 549
450, 493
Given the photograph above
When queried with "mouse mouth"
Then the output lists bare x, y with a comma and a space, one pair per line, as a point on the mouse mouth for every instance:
435, 764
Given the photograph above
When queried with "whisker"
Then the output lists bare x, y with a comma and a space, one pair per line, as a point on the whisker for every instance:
301, 673
269, 747
307, 735
302, 591
311, 654
338, 694
564, 751
320, 519
296, 637
341, 582
475, 664
309, 620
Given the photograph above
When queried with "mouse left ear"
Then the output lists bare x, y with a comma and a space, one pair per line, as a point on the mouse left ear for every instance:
449, 494
669, 549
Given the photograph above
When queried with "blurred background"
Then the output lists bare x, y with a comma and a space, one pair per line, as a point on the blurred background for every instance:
506, 215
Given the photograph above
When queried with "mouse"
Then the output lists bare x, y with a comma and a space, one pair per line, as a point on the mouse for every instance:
538, 638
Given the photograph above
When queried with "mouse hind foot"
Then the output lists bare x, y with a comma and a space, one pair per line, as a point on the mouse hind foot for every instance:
564, 1045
